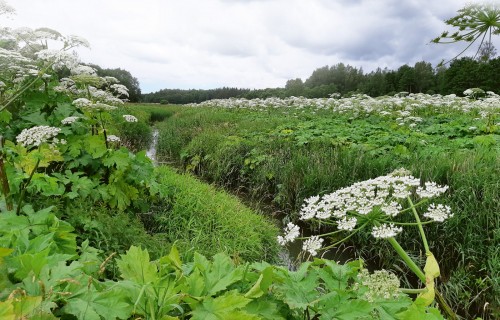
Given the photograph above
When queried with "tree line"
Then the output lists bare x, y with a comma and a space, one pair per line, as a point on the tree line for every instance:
460, 75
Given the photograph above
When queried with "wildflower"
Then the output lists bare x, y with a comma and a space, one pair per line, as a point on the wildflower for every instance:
113, 138
472, 128
347, 223
312, 245
129, 118
385, 231
120, 89
291, 232
82, 102
110, 79
69, 120
381, 284
431, 190
35, 136
83, 70
391, 209
438, 213
77, 41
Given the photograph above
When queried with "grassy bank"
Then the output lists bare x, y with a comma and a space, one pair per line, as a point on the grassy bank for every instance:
198, 217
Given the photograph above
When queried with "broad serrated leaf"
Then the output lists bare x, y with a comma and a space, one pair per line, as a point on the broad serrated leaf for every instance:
120, 159
262, 284
26, 263
121, 194
136, 266
173, 258
415, 312
108, 303
299, 294
5, 116
348, 310
222, 307
388, 309
95, 146
265, 309
25, 305
222, 274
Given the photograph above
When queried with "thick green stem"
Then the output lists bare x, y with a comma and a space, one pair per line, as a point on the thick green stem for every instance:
420, 274
420, 229
406, 258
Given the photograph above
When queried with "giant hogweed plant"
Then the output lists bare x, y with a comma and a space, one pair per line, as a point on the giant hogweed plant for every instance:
56, 139
381, 206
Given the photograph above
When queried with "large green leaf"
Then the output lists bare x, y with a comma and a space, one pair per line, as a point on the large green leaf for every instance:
120, 159
299, 291
265, 308
348, 310
262, 284
96, 146
388, 309
227, 306
136, 266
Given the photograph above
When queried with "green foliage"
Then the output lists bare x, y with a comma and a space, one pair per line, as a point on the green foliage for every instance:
47, 281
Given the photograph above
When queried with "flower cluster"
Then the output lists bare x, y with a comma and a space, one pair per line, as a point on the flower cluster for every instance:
113, 138
69, 120
35, 136
291, 232
129, 118
312, 245
385, 231
381, 284
438, 212
377, 203
120, 89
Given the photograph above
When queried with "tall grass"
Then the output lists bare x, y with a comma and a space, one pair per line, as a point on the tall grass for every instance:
196, 215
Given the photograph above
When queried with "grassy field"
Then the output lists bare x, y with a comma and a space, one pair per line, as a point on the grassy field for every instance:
278, 153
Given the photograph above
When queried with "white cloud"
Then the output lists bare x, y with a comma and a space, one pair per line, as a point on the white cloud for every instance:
244, 43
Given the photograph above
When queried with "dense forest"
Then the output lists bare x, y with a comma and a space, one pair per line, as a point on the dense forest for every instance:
460, 75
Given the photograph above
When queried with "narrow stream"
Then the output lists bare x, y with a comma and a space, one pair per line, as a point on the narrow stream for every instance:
151, 152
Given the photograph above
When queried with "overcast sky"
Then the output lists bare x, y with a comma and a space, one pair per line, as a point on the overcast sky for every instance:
245, 43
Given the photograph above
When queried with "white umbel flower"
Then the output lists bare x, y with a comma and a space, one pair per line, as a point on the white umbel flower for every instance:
312, 245
431, 190
291, 232
129, 118
347, 223
381, 284
438, 213
120, 89
82, 102
35, 136
113, 138
69, 120
385, 231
